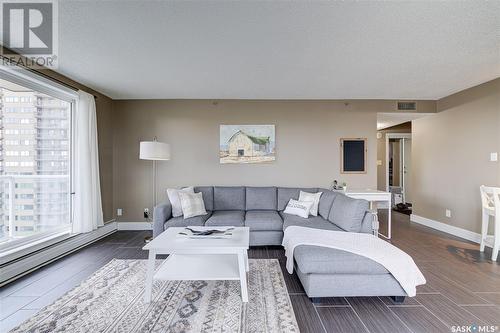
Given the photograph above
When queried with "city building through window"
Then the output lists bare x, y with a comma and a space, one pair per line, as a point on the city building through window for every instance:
35, 174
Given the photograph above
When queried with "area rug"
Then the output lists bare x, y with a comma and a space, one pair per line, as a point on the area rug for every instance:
111, 300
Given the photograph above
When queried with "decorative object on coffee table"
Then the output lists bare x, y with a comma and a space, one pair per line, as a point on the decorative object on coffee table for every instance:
154, 151
224, 232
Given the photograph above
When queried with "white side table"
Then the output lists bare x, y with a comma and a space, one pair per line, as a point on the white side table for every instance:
373, 197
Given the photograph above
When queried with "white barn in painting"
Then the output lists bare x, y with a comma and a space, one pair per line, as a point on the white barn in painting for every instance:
243, 145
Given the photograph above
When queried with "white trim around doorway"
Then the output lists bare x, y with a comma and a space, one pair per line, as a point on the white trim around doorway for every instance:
387, 137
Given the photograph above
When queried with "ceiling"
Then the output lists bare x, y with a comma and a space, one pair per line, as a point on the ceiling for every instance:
279, 50
389, 119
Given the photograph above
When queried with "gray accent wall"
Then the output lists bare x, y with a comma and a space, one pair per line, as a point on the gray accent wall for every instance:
450, 156
307, 144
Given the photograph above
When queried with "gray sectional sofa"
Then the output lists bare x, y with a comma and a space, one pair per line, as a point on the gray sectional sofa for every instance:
324, 272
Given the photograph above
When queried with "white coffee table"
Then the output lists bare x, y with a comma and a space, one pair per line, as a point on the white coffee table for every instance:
199, 259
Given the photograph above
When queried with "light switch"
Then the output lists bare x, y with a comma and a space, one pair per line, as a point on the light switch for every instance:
379, 162
493, 157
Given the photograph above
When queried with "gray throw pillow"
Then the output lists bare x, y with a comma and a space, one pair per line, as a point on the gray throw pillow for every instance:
347, 213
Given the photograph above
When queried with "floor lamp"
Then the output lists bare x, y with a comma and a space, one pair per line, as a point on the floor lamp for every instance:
154, 151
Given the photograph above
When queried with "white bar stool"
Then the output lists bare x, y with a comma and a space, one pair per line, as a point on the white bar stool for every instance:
490, 198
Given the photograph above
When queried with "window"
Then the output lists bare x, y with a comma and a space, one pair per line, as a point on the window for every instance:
35, 183
25, 196
24, 185
24, 207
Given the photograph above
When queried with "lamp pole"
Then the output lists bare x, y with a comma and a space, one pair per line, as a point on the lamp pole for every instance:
153, 151
148, 239
154, 184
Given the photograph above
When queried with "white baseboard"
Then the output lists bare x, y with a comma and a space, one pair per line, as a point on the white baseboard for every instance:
449, 229
31, 262
135, 226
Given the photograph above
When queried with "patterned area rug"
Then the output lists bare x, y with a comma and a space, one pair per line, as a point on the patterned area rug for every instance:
111, 300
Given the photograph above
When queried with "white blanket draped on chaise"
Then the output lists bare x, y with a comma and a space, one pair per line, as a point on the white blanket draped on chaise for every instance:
396, 261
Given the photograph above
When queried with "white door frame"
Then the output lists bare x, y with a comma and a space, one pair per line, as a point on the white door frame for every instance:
404, 177
389, 136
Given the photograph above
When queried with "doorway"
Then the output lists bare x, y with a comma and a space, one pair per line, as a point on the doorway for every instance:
398, 169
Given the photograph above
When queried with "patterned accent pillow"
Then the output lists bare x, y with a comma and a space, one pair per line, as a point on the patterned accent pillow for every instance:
173, 197
192, 204
299, 208
314, 197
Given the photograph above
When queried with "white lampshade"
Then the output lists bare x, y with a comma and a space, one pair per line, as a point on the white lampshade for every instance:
154, 150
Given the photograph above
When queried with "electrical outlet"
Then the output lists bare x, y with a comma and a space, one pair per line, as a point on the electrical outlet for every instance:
146, 213
119, 212
448, 213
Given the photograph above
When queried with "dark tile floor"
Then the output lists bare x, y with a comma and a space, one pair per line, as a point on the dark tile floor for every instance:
463, 286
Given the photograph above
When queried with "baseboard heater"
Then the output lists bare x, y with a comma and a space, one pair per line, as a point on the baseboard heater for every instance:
21, 266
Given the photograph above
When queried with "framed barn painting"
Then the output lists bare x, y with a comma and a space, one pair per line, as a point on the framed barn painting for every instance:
247, 144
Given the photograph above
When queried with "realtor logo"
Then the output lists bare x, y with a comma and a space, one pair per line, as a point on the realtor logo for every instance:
29, 30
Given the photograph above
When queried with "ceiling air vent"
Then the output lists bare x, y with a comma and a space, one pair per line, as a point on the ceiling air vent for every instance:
407, 106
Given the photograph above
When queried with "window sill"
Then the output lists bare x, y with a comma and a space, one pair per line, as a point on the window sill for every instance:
36, 245
17, 264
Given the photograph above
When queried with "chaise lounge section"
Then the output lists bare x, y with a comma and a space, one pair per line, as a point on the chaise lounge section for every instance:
324, 272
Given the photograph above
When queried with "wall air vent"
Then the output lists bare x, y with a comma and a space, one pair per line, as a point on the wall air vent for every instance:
407, 106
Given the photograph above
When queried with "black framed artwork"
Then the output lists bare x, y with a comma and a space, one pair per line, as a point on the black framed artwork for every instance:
353, 155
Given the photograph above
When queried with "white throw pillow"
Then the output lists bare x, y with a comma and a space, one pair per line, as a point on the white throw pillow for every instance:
299, 208
192, 204
173, 196
314, 197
